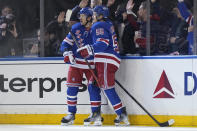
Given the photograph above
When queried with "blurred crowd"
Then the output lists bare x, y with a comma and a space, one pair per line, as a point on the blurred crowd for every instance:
171, 26
168, 27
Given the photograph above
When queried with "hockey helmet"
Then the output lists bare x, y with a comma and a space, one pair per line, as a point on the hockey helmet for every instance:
101, 10
87, 11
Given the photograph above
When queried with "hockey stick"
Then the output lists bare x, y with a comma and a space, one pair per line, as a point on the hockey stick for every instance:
91, 70
164, 124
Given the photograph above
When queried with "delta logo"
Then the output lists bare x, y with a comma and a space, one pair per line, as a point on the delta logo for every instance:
163, 89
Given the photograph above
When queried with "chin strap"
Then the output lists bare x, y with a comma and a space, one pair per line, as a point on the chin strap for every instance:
87, 21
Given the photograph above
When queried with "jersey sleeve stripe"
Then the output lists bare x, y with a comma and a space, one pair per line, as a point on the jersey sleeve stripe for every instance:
106, 41
84, 63
69, 41
80, 63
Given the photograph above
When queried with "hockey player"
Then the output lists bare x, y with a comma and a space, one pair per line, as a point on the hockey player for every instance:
106, 58
78, 67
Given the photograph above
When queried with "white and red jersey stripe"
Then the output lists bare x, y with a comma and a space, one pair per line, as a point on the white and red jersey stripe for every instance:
105, 41
69, 41
107, 58
189, 20
81, 63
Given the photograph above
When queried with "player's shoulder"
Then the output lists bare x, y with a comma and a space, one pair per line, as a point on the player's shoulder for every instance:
100, 25
109, 23
76, 26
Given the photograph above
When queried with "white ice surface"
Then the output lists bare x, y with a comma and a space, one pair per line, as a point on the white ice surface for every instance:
89, 128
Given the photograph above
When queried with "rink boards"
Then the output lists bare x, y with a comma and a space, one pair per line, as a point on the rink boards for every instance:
33, 90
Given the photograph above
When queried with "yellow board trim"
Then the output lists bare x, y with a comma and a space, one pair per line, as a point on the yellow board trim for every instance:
54, 119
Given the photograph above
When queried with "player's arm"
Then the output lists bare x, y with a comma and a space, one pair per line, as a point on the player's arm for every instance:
66, 48
183, 10
102, 42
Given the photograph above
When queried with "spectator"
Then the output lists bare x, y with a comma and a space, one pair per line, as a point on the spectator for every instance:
10, 44
112, 9
179, 43
6, 10
163, 27
53, 44
112, 6
49, 49
168, 26
140, 35
94, 3
56, 30
125, 15
75, 16
54, 34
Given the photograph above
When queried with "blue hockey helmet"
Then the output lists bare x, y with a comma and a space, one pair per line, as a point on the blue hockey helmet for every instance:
101, 10
87, 11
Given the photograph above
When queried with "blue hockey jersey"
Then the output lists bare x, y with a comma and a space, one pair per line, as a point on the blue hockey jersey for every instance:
105, 43
83, 37
185, 13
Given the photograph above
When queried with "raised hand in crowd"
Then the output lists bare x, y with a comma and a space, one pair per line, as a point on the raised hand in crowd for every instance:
95, 3
61, 17
83, 3
130, 5
14, 31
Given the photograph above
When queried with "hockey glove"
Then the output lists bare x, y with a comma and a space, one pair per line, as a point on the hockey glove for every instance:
86, 51
69, 57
